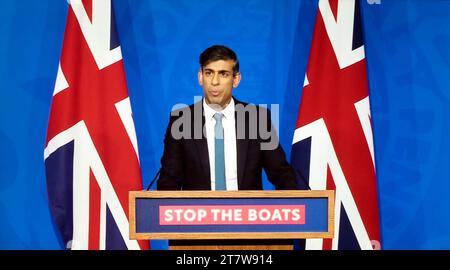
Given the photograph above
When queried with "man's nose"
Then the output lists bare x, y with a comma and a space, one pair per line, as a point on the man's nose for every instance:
215, 79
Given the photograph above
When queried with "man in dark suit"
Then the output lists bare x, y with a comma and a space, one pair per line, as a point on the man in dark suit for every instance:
221, 143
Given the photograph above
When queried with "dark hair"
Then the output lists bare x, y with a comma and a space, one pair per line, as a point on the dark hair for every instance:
219, 52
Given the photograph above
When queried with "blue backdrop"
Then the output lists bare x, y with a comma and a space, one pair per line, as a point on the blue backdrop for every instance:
408, 57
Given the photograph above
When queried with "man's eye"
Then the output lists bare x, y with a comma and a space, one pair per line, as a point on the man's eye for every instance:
224, 75
208, 73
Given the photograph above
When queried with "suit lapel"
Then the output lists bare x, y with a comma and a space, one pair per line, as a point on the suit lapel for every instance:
202, 149
241, 150
202, 145
241, 146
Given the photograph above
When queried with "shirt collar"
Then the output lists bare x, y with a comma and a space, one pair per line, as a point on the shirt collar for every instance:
228, 112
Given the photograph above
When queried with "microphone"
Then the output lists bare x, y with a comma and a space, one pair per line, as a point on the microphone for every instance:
154, 179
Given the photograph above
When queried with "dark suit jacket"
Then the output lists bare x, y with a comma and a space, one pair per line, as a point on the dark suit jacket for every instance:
185, 161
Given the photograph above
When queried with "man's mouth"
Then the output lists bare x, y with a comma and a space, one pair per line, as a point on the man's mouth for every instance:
214, 93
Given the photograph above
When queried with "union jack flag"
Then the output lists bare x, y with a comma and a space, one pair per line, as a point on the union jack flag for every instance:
333, 141
91, 154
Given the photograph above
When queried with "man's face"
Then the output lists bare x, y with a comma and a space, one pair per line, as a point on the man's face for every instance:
218, 81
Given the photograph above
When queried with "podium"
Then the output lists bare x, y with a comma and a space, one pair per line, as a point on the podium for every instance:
233, 220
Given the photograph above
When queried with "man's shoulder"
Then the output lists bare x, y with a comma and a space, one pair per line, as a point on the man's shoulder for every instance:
245, 106
179, 111
249, 107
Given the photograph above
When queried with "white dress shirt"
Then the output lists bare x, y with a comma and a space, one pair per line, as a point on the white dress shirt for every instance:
229, 129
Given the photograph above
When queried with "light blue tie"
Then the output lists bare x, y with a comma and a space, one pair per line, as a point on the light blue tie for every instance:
219, 153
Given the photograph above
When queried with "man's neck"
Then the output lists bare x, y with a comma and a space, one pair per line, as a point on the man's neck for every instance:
218, 107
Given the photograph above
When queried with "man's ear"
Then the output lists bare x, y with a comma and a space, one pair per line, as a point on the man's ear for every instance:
200, 77
236, 79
